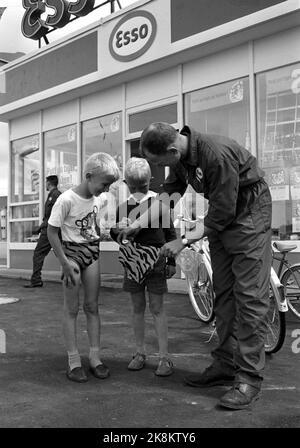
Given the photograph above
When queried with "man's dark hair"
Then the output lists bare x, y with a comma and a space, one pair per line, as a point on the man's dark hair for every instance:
157, 137
53, 180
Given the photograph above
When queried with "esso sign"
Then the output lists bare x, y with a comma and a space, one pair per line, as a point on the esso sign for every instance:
132, 36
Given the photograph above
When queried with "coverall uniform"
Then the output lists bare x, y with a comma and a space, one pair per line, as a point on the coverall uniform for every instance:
43, 246
240, 211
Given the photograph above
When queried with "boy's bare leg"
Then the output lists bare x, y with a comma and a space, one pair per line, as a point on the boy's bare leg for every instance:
139, 305
160, 322
71, 308
91, 284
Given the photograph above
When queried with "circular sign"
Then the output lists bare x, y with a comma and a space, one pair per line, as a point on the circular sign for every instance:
132, 36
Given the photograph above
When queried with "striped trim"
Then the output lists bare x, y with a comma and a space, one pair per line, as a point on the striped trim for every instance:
83, 254
138, 260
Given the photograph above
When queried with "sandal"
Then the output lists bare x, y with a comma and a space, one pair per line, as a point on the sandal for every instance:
165, 367
137, 362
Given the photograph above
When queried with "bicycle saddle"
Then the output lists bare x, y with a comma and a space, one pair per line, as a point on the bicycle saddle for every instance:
284, 247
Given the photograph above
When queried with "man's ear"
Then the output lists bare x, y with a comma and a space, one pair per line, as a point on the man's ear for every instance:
172, 150
88, 176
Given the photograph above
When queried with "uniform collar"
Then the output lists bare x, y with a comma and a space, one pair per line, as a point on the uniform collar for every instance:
192, 152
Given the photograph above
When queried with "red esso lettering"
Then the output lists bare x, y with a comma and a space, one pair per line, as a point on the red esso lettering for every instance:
124, 38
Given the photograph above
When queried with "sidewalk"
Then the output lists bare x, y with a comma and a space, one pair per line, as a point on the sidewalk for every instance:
36, 393
175, 285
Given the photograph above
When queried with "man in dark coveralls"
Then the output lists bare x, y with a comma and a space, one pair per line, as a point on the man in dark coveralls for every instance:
238, 225
43, 246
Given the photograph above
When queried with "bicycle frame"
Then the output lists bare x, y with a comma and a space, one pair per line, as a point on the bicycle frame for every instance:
278, 291
274, 279
201, 247
283, 262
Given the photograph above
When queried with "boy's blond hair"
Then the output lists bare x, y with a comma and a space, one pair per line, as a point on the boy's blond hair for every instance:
137, 169
103, 163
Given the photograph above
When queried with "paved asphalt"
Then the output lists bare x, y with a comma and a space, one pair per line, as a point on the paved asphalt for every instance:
35, 392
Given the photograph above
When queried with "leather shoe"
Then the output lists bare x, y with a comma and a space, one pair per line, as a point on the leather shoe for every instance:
34, 285
78, 375
101, 371
240, 396
213, 375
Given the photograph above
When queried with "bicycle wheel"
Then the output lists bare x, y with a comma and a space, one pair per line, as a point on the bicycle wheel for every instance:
201, 291
291, 284
275, 325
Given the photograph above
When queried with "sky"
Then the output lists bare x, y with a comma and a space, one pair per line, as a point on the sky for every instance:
12, 40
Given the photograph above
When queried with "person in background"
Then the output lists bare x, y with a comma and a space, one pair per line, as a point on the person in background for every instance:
43, 246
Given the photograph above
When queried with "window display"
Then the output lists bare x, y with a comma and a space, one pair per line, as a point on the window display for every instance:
278, 123
24, 231
25, 163
61, 156
104, 134
25, 185
222, 109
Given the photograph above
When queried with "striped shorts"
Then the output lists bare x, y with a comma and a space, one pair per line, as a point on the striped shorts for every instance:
84, 254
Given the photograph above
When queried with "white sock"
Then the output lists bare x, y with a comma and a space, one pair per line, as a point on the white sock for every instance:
74, 359
94, 357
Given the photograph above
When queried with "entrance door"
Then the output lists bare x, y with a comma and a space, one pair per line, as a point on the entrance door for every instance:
158, 172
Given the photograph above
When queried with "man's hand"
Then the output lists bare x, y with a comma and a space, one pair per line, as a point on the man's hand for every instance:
170, 270
172, 248
68, 275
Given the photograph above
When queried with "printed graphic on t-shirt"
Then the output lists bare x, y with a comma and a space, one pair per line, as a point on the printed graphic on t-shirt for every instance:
89, 229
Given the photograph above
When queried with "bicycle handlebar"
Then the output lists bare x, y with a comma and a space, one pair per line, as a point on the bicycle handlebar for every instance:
190, 221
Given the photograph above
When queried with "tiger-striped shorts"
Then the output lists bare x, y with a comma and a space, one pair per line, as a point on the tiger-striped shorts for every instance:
84, 254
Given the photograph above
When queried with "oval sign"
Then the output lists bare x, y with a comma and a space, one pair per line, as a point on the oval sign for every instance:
132, 36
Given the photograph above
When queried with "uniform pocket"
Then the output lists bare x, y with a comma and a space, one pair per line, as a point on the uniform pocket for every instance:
261, 211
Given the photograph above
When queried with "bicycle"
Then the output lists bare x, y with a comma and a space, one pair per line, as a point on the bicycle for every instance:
195, 263
289, 277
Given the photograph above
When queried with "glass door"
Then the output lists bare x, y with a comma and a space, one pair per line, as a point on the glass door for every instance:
158, 172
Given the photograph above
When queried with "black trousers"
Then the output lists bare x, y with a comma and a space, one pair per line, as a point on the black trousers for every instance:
41, 250
241, 260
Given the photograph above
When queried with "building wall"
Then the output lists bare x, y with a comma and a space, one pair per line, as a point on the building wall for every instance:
189, 81
22, 259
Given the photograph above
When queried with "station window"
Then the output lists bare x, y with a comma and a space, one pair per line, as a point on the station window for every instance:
104, 134
61, 156
138, 121
222, 109
25, 161
25, 182
278, 124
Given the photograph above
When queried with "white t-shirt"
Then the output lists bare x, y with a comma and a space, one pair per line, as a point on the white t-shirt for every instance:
77, 217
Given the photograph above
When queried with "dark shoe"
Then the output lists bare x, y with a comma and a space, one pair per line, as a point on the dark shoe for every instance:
78, 375
101, 371
34, 285
213, 375
240, 396
165, 367
137, 362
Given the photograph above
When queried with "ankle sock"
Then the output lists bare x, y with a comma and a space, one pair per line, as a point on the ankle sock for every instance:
74, 360
94, 357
